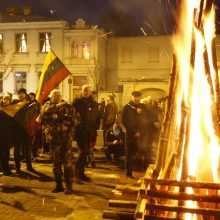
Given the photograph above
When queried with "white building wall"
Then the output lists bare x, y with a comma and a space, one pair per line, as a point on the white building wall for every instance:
79, 66
140, 64
32, 61
147, 66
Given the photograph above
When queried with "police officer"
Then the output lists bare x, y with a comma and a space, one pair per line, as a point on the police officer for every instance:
58, 121
133, 120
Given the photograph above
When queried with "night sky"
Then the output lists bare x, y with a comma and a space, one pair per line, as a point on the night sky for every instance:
121, 17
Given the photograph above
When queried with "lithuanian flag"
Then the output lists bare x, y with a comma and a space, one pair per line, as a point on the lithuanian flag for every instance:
52, 74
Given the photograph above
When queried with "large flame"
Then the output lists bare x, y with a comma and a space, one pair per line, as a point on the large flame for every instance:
196, 94
196, 90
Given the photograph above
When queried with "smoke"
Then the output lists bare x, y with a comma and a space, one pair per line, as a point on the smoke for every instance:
152, 15
125, 17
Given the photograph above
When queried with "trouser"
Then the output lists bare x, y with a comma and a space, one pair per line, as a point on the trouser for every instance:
23, 144
36, 143
4, 157
116, 150
62, 153
83, 145
91, 154
131, 150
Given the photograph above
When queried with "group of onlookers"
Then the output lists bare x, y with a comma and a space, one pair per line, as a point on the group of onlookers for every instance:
13, 130
63, 122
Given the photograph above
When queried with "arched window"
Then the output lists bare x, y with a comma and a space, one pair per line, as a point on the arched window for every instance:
1, 43
86, 50
74, 50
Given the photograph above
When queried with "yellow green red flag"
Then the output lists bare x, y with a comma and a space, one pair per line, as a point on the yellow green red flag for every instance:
53, 73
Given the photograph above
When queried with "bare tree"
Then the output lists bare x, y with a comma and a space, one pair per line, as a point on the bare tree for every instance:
97, 76
8, 69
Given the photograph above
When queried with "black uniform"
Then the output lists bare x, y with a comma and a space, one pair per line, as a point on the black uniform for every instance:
133, 120
86, 131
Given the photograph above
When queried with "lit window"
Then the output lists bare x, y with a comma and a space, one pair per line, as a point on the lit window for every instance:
74, 50
21, 43
20, 80
1, 43
1, 82
45, 42
86, 50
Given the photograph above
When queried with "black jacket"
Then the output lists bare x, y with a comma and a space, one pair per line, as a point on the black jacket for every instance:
132, 120
89, 115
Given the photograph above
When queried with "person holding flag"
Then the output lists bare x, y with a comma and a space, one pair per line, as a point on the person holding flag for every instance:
58, 120
22, 143
21, 114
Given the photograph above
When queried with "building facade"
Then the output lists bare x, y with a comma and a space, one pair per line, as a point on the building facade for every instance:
24, 46
139, 63
111, 64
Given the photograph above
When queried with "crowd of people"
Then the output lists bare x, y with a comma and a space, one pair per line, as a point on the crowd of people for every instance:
127, 134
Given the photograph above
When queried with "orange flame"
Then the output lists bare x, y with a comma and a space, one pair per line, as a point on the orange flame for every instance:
196, 88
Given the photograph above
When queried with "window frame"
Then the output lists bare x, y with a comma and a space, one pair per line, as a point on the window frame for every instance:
126, 54
74, 49
43, 41
19, 84
1, 43
86, 46
154, 55
19, 41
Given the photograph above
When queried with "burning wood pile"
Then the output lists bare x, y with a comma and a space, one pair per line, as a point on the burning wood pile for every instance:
184, 184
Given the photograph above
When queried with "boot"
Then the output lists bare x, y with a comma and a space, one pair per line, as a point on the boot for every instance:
76, 175
7, 172
18, 169
58, 187
93, 164
85, 178
30, 168
69, 189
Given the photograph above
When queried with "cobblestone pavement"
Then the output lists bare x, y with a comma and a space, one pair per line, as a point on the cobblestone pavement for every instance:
28, 196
